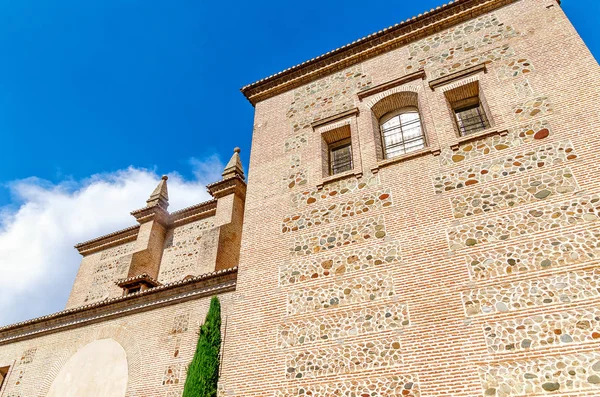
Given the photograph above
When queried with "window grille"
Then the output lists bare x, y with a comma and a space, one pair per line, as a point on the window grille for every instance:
471, 119
340, 157
402, 134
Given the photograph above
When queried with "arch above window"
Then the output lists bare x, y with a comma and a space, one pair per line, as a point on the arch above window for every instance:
397, 122
395, 101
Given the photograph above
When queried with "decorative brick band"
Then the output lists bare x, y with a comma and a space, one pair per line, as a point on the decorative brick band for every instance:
518, 224
344, 359
329, 328
361, 289
563, 288
550, 154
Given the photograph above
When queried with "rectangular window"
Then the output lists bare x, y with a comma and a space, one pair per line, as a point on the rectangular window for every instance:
340, 157
133, 290
468, 107
471, 119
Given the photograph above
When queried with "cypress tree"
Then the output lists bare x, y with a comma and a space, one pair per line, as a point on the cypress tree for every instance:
203, 372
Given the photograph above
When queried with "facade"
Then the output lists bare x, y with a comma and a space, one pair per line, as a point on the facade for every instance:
422, 218
131, 321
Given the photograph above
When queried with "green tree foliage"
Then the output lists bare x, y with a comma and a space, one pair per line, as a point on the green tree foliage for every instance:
203, 372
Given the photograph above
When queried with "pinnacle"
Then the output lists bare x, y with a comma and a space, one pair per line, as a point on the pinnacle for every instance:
160, 195
234, 166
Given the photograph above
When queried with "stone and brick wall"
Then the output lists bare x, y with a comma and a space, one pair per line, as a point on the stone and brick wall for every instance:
470, 270
159, 345
188, 249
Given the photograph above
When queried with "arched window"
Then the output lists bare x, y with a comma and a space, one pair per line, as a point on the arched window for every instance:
401, 132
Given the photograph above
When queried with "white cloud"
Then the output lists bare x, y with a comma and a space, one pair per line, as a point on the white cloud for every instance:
38, 231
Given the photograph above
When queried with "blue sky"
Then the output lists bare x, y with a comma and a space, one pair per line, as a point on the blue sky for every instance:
98, 98
98, 85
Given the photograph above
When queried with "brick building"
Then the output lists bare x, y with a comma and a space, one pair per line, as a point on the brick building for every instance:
421, 219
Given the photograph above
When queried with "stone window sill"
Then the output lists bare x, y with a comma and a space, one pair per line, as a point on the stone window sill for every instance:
417, 153
337, 177
475, 137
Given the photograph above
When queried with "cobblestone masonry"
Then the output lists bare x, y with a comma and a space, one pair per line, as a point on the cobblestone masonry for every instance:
183, 248
338, 188
575, 286
542, 376
473, 27
295, 142
392, 386
295, 175
338, 236
540, 106
489, 56
157, 357
575, 212
326, 97
477, 33
390, 316
335, 309
544, 330
550, 154
333, 212
537, 254
512, 68
360, 289
515, 210
104, 277
344, 358
340, 263
491, 146
523, 88
534, 188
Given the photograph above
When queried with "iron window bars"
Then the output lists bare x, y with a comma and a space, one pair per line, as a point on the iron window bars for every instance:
402, 134
340, 157
471, 119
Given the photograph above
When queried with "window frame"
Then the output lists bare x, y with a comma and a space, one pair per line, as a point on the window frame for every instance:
394, 113
457, 101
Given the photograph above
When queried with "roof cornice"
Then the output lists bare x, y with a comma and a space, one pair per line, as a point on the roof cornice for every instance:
177, 218
395, 36
108, 240
209, 284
